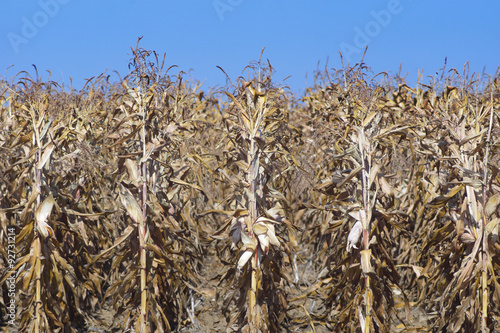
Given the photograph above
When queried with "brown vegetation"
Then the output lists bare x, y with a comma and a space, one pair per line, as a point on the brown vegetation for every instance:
365, 206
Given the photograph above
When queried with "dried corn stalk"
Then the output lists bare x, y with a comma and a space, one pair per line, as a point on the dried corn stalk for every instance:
257, 130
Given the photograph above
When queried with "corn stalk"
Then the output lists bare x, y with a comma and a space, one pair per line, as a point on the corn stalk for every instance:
485, 257
153, 189
142, 225
255, 180
252, 118
37, 244
140, 94
256, 124
365, 150
42, 213
46, 262
353, 166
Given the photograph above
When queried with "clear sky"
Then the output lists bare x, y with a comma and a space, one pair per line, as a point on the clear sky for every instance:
80, 39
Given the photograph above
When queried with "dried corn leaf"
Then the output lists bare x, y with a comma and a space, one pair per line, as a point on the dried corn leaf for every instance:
42, 213
244, 257
492, 205
131, 206
126, 233
441, 200
46, 155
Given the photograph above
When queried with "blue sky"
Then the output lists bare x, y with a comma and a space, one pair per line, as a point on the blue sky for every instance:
80, 39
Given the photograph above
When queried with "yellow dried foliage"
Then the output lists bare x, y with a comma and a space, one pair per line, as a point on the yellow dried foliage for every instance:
364, 205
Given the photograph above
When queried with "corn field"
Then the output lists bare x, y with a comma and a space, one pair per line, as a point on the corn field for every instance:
154, 205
